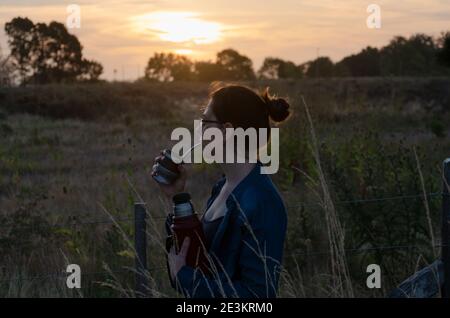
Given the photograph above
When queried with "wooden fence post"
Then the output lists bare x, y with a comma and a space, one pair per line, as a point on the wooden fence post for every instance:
446, 228
140, 245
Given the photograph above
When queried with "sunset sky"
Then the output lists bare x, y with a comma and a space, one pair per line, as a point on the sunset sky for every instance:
123, 34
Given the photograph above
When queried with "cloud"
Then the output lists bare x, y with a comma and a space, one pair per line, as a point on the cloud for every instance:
290, 29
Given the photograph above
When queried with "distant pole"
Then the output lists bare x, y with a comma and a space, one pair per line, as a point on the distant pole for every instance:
140, 244
446, 228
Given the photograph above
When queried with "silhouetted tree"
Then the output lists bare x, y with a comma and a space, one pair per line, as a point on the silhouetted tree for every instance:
234, 66
274, 68
411, 57
341, 70
20, 32
444, 49
206, 71
91, 70
6, 71
44, 53
168, 67
365, 63
320, 67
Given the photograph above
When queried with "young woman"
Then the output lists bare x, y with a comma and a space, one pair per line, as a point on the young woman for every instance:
245, 218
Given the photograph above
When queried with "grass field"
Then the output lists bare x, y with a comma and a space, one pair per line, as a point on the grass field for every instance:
83, 153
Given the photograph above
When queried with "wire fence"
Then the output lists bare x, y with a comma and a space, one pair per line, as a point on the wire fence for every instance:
367, 249
373, 200
61, 275
296, 205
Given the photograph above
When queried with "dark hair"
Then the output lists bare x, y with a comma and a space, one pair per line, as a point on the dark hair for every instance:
243, 107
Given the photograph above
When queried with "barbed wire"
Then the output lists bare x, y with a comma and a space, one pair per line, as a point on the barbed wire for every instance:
94, 222
58, 276
64, 276
297, 205
366, 249
373, 200
74, 223
294, 254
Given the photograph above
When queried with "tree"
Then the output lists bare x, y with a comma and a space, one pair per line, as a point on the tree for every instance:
275, 68
6, 71
341, 70
365, 63
47, 53
234, 66
415, 56
91, 70
443, 53
320, 67
207, 71
20, 32
168, 67
229, 65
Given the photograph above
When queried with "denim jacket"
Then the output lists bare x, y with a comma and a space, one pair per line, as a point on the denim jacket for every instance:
247, 249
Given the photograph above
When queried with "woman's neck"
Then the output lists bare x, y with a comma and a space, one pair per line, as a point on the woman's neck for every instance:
235, 173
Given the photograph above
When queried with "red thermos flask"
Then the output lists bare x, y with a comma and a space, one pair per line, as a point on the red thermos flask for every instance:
187, 224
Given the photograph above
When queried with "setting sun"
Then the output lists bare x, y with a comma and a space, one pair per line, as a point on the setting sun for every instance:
183, 51
180, 27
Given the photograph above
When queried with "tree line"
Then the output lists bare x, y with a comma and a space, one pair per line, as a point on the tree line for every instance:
43, 53
418, 55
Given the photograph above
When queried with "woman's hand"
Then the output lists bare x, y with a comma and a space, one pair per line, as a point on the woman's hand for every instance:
177, 261
171, 189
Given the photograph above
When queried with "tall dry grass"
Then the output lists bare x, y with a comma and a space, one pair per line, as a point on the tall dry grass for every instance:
341, 282
78, 168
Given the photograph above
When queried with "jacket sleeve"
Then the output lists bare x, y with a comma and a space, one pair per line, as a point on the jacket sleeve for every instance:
258, 265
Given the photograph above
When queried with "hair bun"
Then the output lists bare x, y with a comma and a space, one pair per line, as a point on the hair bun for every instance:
278, 107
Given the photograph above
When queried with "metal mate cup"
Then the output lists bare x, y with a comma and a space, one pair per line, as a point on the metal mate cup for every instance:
166, 170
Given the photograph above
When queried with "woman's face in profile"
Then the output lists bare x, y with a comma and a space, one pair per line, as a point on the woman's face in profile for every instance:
208, 115
209, 120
